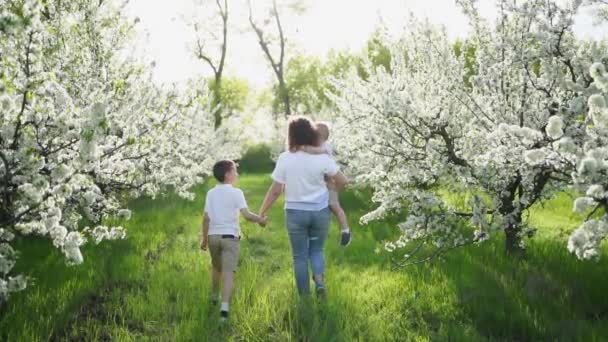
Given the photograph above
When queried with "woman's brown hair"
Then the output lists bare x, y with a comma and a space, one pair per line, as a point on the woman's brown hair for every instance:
301, 132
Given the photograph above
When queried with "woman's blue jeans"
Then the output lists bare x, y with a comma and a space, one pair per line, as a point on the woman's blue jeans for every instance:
307, 233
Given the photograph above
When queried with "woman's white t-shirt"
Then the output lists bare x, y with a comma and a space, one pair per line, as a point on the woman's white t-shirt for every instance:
303, 175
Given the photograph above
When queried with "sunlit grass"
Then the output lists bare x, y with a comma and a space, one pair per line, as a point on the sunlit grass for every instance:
154, 286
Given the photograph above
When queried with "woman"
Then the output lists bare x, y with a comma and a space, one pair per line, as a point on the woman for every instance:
307, 213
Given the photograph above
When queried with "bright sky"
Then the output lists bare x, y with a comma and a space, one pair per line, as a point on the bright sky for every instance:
163, 35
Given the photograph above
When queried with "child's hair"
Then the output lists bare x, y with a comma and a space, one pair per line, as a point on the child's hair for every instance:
323, 130
221, 168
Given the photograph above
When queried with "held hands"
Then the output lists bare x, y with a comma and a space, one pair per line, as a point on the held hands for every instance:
263, 220
204, 244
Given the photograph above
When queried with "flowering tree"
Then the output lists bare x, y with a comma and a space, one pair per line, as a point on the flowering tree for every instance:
599, 9
506, 135
82, 127
591, 174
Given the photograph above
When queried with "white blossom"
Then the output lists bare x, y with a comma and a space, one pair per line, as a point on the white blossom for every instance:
598, 72
58, 234
555, 127
71, 247
584, 241
597, 102
6, 103
600, 117
30, 192
583, 204
535, 157
389, 247
124, 214
89, 197
6, 235
565, 145
588, 165
17, 283
60, 173
7, 258
101, 233
596, 191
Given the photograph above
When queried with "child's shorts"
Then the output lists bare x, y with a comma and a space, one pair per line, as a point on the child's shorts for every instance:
224, 252
333, 197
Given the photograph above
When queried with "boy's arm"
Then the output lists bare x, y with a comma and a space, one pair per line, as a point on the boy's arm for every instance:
251, 217
313, 149
205, 232
247, 214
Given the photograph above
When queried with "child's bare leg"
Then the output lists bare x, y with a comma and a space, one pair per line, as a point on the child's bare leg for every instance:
345, 235
340, 215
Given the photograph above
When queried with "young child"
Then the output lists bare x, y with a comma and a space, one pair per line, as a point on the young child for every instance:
221, 232
334, 204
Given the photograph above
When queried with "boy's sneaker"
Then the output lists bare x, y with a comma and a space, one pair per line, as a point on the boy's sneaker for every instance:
214, 301
345, 238
320, 290
223, 316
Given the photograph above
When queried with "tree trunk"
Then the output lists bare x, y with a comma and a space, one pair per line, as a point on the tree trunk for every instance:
285, 97
4, 217
513, 240
514, 214
217, 103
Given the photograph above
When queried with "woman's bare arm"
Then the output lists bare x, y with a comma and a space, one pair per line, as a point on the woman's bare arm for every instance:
273, 193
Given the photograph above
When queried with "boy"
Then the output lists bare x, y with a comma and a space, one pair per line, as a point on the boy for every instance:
221, 232
334, 204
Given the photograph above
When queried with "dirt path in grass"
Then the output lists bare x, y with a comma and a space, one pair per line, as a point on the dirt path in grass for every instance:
99, 307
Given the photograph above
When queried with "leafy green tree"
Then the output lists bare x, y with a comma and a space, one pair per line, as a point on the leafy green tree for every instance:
470, 63
308, 79
231, 97
304, 80
377, 53
337, 66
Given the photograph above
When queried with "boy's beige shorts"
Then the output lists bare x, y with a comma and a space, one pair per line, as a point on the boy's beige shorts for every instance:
224, 253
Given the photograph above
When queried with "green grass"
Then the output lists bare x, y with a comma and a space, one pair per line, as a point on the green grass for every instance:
155, 285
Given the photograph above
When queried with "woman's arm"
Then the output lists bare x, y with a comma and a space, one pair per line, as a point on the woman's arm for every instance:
275, 190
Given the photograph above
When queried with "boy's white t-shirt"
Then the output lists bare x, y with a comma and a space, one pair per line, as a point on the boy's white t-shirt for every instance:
303, 175
223, 204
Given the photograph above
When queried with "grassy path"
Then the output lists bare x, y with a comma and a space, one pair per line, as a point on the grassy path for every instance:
154, 286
